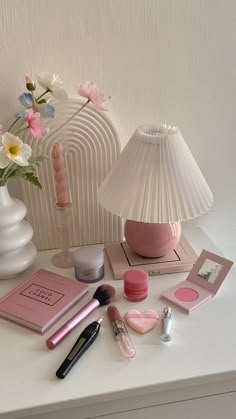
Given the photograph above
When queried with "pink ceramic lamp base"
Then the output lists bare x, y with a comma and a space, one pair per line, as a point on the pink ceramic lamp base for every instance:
152, 239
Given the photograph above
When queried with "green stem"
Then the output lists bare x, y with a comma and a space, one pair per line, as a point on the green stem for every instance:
12, 125
6, 173
65, 123
17, 119
43, 94
20, 130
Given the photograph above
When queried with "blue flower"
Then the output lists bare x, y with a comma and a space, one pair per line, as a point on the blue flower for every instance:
46, 110
21, 114
26, 100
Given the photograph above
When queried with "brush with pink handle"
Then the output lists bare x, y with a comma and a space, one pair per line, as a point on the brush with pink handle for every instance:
101, 297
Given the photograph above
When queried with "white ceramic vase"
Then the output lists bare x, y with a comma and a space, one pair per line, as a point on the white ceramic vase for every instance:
17, 252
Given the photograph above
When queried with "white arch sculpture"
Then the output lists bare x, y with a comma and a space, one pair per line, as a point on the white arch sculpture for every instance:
91, 146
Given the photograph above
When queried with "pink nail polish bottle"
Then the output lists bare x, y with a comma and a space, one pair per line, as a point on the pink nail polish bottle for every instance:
135, 285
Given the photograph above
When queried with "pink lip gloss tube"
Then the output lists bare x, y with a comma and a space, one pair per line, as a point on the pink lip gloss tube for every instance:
121, 333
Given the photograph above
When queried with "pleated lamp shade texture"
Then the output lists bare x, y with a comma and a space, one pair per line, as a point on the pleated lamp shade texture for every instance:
156, 179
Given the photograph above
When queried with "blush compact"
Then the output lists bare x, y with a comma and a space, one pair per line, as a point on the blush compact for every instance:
202, 283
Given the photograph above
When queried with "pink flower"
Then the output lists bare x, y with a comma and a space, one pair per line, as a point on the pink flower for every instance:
89, 90
35, 124
30, 84
28, 79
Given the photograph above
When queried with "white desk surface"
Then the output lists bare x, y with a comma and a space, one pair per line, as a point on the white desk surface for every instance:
202, 348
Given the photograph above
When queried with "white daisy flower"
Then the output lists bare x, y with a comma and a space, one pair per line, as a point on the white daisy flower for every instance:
52, 82
14, 150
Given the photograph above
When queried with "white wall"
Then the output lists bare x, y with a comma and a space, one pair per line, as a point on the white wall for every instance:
168, 61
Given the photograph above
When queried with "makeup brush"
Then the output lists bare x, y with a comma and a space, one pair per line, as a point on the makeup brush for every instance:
101, 297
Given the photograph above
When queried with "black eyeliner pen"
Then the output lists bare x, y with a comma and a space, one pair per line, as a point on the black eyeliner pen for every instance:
84, 341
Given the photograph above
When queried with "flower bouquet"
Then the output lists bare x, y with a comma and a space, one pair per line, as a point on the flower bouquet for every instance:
17, 159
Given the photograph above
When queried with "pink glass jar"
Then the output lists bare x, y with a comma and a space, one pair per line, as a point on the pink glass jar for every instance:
135, 285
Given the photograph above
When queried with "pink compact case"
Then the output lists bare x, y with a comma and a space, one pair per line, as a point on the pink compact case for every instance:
202, 283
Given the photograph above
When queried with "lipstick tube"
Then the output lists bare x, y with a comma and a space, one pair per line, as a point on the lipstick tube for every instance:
120, 332
166, 325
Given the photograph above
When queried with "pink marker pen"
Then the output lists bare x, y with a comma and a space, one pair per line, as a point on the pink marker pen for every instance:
121, 333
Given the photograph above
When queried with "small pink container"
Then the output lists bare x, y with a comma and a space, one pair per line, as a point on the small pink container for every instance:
135, 285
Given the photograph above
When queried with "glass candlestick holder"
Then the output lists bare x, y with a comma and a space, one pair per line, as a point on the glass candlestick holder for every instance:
63, 259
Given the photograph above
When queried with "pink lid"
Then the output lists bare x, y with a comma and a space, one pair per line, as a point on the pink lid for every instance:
135, 279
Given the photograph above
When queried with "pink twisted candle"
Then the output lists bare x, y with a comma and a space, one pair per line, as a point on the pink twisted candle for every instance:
60, 175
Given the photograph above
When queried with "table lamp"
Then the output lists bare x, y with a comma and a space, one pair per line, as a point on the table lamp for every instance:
155, 184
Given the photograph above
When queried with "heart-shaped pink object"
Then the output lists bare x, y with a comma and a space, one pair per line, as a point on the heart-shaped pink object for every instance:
141, 322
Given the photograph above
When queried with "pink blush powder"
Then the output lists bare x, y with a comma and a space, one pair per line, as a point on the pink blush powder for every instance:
186, 294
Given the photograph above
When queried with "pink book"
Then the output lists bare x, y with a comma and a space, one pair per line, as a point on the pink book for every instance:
41, 300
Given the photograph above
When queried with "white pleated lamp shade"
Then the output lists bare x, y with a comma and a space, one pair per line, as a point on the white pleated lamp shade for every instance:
156, 179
